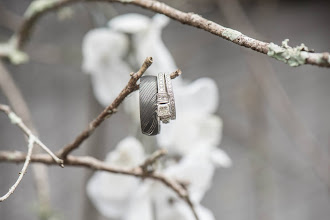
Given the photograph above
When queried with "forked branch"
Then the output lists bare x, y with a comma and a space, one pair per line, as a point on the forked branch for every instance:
95, 164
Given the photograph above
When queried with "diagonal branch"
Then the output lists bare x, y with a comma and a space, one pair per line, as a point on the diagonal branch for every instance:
18, 121
293, 56
149, 162
23, 171
18, 104
108, 111
32, 139
277, 97
111, 109
95, 164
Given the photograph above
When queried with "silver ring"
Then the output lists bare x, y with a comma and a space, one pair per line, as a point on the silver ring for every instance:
150, 124
170, 93
163, 109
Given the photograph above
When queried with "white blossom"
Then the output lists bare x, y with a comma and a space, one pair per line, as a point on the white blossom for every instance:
146, 39
110, 54
153, 201
110, 193
197, 170
196, 126
103, 58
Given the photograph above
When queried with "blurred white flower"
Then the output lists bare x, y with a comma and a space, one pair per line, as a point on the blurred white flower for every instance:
155, 201
195, 126
180, 211
197, 170
110, 193
110, 54
145, 34
146, 39
103, 58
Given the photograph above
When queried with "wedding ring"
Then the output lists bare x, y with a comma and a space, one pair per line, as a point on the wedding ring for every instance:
170, 93
163, 107
150, 124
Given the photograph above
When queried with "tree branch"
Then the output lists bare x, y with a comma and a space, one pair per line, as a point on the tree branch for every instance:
31, 141
108, 111
293, 56
16, 100
152, 159
278, 99
111, 109
18, 121
23, 171
95, 164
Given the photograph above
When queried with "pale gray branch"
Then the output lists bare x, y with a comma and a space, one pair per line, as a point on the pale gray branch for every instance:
293, 56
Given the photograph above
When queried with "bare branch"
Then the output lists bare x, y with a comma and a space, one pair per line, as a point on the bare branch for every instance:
152, 159
279, 101
19, 105
293, 56
93, 163
111, 109
108, 111
175, 74
18, 121
21, 174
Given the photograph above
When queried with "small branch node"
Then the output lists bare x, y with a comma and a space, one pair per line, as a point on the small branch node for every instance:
147, 166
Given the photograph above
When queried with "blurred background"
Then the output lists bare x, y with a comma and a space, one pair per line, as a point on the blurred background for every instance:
276, 118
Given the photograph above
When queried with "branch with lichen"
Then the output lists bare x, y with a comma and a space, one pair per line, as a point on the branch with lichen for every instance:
293, 56
95, 164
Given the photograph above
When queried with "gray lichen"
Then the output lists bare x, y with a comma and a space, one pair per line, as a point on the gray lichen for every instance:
231, 34
9, 49
65, 13
293, 56
14, 119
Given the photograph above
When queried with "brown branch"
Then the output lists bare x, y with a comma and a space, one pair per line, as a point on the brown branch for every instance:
152, 159
16, 100
277, 97
175, 74
18, 121
95, 164
111, 109
108, 111
23, 171
293, 56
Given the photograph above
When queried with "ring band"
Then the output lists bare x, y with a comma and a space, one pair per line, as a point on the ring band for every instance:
170, 93
163, 109
150, 124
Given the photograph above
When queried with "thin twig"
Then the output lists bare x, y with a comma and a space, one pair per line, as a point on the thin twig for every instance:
111, 109
95, 164
175, 74
108, 111
288, 55
18, 121
152, 159
19, 105
23, 171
